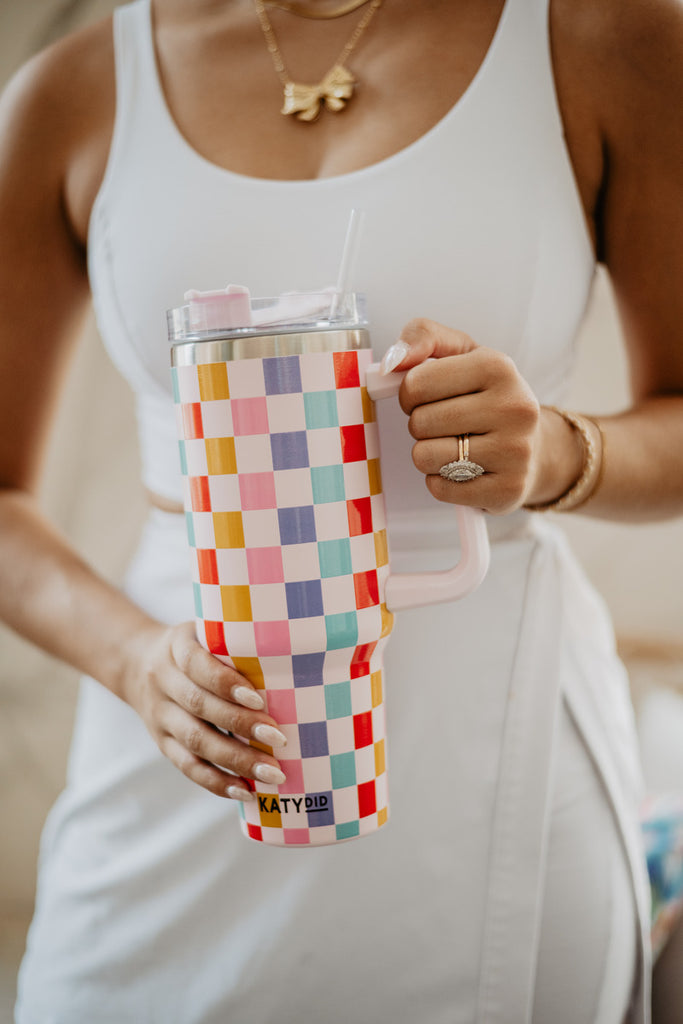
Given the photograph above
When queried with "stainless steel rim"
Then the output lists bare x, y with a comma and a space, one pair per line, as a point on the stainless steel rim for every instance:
264, 346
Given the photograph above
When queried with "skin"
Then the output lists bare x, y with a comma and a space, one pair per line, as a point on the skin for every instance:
619, 77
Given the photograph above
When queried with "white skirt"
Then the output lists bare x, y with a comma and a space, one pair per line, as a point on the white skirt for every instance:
508, 886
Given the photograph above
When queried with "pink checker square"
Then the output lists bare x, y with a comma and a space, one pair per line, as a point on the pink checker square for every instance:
317, 372
257, 490
249, 416
282, 706
286, 413
293, 487
272, 638
217, 418
296, 836
293, 769
265, 565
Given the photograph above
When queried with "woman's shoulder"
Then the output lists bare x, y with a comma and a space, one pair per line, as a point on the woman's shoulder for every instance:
57, 113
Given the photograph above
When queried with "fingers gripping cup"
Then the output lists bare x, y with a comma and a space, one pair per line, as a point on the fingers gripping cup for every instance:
286, 521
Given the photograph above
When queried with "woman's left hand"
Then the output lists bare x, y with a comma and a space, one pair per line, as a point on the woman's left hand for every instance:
466, 389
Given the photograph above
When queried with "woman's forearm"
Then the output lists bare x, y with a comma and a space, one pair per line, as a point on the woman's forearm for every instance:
50, 596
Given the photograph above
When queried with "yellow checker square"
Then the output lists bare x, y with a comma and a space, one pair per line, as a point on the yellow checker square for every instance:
213, 381
269, 810
381, 548
380, 758
387, 620
368, 406
228, 529
382, 815
251, 669
376, 688
236, 604
220, 455
375, 475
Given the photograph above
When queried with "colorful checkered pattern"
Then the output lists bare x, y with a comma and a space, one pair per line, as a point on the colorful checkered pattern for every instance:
285, 514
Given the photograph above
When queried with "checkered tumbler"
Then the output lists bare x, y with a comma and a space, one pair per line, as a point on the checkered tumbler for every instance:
286, 522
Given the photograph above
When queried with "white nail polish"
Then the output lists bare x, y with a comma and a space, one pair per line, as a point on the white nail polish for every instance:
268, 773
393, 356
239, 793
247, 698
269, 734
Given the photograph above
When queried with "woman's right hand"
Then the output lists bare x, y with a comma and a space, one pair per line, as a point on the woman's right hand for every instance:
186, 696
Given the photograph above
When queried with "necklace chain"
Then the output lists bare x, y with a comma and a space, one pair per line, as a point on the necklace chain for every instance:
303, 10
336, 87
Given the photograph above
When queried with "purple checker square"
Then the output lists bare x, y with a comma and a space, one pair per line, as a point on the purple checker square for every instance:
290, 450
249, 416
272, 638
294, 771
308, 668
322, 810
257, 490
265, 565
297, 525
282, 706
304, 599
313, 739
282, 375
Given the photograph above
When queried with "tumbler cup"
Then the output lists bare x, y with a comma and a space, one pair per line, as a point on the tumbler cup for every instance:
285, 516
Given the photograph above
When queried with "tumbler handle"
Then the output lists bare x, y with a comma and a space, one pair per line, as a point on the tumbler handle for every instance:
410, 590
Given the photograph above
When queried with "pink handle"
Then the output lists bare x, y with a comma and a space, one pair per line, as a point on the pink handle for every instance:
409, 590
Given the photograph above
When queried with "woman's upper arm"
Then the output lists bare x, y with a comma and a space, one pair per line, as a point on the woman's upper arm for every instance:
641, 214
47, 127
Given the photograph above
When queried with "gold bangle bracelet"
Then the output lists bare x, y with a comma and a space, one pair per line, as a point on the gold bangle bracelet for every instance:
591, 472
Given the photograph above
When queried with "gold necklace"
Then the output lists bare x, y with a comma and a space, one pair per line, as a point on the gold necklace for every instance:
314, 10
335, 89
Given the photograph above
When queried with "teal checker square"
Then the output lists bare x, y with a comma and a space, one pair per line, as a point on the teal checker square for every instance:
189, 524
183, 458
335, 557
328, 483
347, 830
338, 701
321, 409
342, 630
343, 767
197, 591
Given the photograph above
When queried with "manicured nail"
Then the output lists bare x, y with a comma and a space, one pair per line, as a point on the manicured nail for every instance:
239, 793
269, 734
393, 356
268, 773
247, 698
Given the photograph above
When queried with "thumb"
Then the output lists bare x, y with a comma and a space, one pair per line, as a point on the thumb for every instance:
425, 339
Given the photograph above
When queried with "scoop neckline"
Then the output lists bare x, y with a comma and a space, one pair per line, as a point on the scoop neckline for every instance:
394, 159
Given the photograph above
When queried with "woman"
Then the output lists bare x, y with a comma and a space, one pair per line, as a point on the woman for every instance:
499, 150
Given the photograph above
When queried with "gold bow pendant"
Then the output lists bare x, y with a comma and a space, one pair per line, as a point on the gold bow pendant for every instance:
305, 101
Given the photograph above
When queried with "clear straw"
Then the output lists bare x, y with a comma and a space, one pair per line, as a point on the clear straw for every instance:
349, 258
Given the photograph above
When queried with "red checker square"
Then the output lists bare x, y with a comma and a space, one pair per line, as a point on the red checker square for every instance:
294, 770
282, 706
359, 512
367, 799
208, 568
362, 729
192, 420
346, 369
200, 496
367, 588
215, 637
272, 638
296, 836
353, 443
360, 662
255, 832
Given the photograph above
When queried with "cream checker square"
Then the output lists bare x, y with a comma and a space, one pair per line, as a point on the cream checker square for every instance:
261, 528
300, 562
286, 413
225, 492
293, 487
217, 418
317, 371
308, 636
310, 703
324, 446
349, 406
253, 453
331, 521
268, 602
338, 595
317, 774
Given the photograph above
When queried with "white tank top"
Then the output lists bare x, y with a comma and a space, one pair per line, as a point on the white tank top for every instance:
477, 224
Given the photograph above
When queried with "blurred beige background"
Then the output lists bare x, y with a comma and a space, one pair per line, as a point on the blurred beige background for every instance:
91, 490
